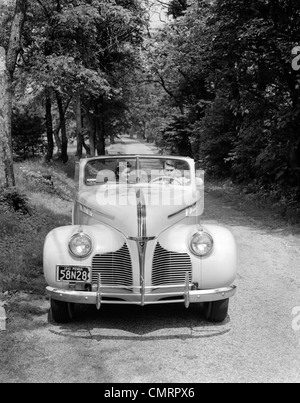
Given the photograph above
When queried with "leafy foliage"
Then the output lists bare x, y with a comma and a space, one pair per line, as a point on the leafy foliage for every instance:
215, 82
11, 199
177, 8
84, 51
27, 134
226, 65
174, 138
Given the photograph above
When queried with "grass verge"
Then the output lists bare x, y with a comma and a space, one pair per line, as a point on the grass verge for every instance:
40, 202
262, 204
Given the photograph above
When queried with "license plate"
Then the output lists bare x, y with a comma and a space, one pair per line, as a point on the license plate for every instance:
73, 273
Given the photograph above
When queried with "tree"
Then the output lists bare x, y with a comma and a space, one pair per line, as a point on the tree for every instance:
177, 8
252, 55
80, 52
177, 61
9, 51
227, 64
27, 133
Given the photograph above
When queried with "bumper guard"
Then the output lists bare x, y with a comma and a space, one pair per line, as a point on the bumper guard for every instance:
142, 298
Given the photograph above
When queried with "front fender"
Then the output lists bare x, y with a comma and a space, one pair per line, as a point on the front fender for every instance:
216, 270
56, 250
219, 269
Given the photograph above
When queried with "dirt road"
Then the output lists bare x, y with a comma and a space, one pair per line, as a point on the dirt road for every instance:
259, 342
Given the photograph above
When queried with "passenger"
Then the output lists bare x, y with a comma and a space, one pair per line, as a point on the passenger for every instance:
122, 172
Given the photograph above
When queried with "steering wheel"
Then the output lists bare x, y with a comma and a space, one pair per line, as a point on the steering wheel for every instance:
168, 178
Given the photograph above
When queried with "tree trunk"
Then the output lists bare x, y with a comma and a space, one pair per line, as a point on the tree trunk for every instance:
91, 134
86, 147
64, 138
8, 59
14, 45
7, 177
49, 128
57, 139
100, 136
78, 126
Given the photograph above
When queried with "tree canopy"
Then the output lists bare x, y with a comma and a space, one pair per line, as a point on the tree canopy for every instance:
227, 66
216, 81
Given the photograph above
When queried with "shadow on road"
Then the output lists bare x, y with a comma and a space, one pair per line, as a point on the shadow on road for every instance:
159, 322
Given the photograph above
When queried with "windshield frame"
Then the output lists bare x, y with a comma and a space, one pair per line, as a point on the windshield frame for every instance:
138, 169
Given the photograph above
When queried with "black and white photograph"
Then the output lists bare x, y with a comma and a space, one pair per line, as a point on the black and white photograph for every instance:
149, 194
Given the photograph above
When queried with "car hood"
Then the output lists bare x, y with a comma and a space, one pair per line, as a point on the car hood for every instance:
138, 211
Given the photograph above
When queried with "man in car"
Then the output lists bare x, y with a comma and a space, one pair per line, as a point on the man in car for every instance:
169, 169
171, 175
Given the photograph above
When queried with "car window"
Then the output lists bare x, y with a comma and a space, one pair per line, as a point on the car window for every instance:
142, 170
164, 168
103, 171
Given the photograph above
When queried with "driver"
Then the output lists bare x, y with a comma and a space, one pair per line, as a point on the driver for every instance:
170, 174
169, 169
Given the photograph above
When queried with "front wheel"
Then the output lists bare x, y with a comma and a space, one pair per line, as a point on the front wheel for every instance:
61, 312
216, 311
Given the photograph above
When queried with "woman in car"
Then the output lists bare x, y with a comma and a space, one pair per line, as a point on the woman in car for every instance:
122, 171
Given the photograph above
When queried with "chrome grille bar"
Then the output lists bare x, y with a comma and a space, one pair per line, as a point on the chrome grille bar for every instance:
170, 267
115, 268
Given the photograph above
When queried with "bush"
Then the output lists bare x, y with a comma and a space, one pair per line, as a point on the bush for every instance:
175, 137
212, 138
12, 199
21, 245
27, 134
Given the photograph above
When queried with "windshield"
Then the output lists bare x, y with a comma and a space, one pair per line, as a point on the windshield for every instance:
138, 170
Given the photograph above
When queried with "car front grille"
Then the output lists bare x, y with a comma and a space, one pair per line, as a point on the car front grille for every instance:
115, 268
170, 268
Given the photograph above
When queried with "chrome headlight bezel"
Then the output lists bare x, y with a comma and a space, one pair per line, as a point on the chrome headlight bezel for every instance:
201, 238
85, 241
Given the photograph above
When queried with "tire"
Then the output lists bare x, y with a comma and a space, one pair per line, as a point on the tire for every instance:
216, 311
61, 312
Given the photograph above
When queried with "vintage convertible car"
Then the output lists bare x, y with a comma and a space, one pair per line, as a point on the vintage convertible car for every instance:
136, 238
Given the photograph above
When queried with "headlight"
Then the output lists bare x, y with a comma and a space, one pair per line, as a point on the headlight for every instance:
201, 243
80, 245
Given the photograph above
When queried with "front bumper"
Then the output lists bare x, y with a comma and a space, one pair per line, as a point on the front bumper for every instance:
163, 295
